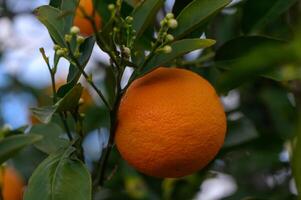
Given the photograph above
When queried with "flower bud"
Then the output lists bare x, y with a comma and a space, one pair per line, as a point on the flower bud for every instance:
129, 19
77, 54
68, 38
172, 23
169, 16
56, 47
60, 52
115, 29
167, 49
127, 51
111, 7
163, 22
80, 39
74, 30
169, 37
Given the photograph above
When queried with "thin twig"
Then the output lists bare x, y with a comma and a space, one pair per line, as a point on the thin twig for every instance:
101, 165
52, 75
86, 76
99, 39
65, 124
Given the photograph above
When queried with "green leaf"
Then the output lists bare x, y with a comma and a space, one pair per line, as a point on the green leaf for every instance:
241, 46
6, 131
68, 103
52, 137
68, 7
11, 145
179, 5
44, 114
234, 50
179, 48
74, 74
296, 157
195, 14
282, 113
144, 14
259, 13
58, 18
52, 18
60, 177
288, 72
260, 61
70, 100
55, 3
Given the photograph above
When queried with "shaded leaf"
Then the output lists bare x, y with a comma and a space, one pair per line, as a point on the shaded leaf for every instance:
259, 13
44, 114
60, 177
195, 14
241, 46
179, 5
70, 100
262, 60
179, 48
68, 103
55, 3
52, 137
68, 8
296, 157
282, 113
54, 22
74, 74
11, 145
144, 14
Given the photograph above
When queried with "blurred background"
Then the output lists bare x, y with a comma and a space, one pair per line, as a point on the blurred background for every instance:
255, 160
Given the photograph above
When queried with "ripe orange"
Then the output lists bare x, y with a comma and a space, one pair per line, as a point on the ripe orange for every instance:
11, 184
80, 21
171, 123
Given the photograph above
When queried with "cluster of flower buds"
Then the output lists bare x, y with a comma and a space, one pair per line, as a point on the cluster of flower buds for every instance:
164, 38
69, 38
170, 21
123, 33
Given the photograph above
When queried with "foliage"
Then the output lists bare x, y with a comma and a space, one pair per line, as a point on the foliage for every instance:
248, 49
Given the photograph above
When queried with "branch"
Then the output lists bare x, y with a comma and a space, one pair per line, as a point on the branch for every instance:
86, 76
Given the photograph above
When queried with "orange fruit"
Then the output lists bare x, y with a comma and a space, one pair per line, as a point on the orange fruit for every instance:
11, 184
80, 21
171, 123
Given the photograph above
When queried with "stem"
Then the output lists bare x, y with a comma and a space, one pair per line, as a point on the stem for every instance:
101, 165
65, 124
52, 72
63, 118
86, 76
99, 39
79, 129
100, 169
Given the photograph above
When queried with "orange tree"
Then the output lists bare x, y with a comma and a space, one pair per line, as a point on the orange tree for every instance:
166, 122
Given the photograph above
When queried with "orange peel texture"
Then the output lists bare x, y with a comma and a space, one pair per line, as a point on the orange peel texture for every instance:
86, 28
171, 123
11, 185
